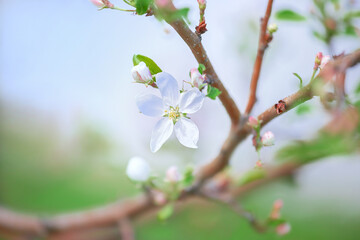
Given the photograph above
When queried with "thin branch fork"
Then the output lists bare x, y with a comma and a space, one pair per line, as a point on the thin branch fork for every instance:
196, 47
263, 44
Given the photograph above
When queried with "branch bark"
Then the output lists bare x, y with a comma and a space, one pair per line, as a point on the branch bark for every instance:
196, 47
263, 44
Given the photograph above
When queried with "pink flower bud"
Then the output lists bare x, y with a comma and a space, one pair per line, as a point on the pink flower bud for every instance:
141, 73
268, 139
196, 78
253, 122
278, 204
318, 59
102, 3
275, 213
202, 4
283, 229
173, 175
162, 3
259, 164
159, 197
324, 61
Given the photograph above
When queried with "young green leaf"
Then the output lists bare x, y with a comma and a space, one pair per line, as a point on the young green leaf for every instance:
301, 81
303, 109
350, 30
212, 92
142, 6
252, 175
357, 90
165, 212
154, 68
289, 15
352, 14
201, 68
188, 176
319, 36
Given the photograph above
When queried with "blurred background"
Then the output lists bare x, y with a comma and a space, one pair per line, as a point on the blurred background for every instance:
69, 122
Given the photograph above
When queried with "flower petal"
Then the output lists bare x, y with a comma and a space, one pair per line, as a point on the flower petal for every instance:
191, 101
169, 88
187, 132
150, 105
161, 132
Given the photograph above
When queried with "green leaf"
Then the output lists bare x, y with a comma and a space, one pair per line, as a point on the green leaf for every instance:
165, 212
352, 14
201, 68
324, 145
275, 222
301, 81
252, 175
181, 13
350, 30
213, 92
142, 6
319, 36
303, 109
357, 90
154, 68
173, 15
289, 15
188, 176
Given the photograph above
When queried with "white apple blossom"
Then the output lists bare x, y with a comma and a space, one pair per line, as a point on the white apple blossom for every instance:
173, 175
268, 139
173, 108
141, 73
138, 169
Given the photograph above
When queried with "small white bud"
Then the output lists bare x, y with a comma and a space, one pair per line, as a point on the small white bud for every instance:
141, 73
268, 139
138, 169
272, 28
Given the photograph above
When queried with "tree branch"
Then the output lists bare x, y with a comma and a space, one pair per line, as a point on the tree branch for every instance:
196, 47
263, 44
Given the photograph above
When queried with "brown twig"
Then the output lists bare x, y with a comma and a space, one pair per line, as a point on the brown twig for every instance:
230, 201
263, 44
126, 229
196, 47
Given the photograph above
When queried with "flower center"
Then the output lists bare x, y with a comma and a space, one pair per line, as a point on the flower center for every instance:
173, 114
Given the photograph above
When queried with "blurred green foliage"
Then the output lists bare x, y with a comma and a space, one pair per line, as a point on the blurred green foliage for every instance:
36, 175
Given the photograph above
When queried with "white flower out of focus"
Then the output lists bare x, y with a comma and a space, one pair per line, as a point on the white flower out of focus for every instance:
141, 73
138, 169
268, 139
196, 78
173, 108
173, 175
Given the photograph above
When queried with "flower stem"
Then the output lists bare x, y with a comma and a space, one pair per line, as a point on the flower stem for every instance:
124, 10
313, 75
